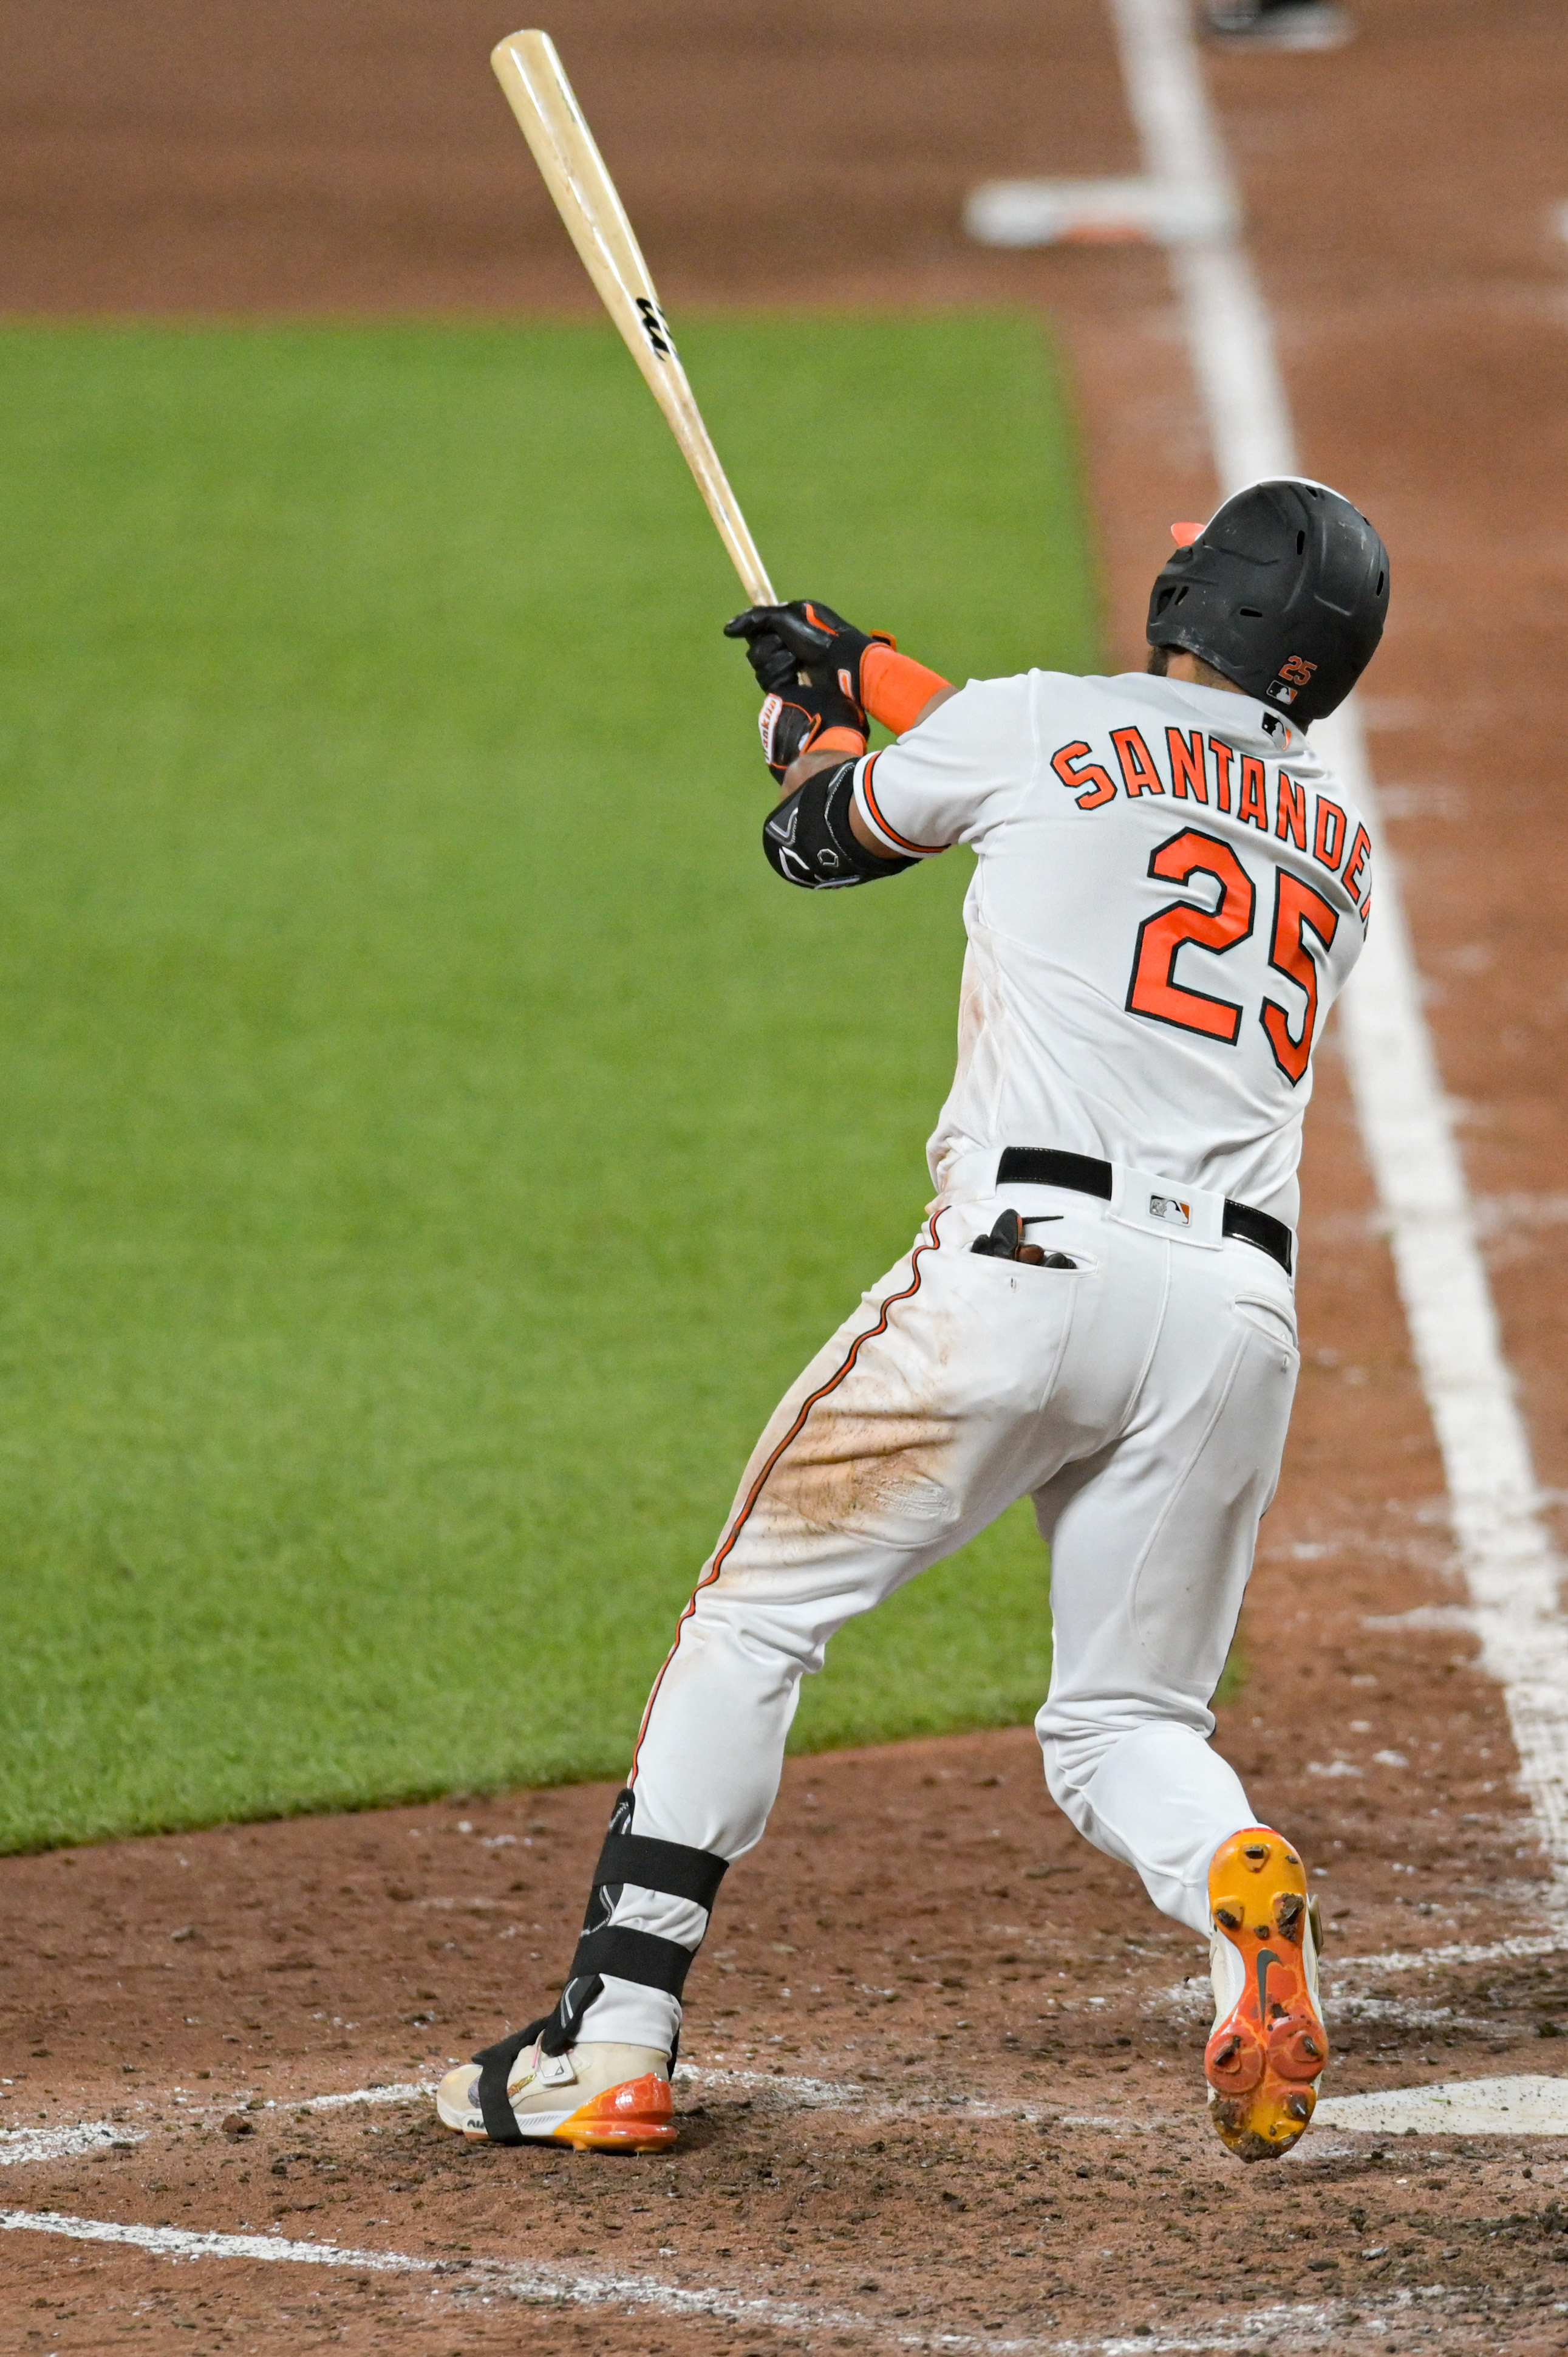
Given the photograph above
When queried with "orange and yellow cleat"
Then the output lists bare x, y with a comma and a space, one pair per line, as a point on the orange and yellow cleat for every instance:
597, 2098
1268, 2045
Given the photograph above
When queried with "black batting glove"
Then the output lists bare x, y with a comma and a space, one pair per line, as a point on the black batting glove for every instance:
776, 668
806, 703
820, 642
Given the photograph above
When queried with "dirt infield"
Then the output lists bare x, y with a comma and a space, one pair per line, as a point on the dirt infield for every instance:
947, 2066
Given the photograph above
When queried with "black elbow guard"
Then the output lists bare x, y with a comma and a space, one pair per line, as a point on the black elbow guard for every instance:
810, 841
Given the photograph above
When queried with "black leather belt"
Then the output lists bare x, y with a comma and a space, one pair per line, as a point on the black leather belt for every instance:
1085, 1174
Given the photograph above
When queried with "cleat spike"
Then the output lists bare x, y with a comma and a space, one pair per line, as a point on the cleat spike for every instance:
1288, 1913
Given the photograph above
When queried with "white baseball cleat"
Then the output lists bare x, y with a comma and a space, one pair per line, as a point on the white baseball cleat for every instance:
597, 2097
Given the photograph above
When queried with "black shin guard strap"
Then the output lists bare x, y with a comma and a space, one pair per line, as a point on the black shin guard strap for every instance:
668, 1867
640, 1956
495, 2068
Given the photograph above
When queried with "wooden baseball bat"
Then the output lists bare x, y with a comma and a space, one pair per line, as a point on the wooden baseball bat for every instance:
542, 100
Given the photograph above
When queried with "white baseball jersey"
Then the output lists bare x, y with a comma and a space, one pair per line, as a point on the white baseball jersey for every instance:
1170, 892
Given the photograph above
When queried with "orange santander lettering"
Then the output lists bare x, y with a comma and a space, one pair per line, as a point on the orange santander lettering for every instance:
1360, 850
1254, 810
1138, 771
1328, 834
1189, 775
1290, 819
1223, 755
1075, 772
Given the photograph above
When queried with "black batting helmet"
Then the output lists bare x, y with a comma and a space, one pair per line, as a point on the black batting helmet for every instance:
1285, 591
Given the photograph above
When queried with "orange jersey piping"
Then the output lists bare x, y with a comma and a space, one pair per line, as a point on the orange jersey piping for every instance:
900, 842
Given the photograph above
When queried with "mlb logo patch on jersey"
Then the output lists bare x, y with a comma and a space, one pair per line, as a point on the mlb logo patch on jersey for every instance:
1141, 1199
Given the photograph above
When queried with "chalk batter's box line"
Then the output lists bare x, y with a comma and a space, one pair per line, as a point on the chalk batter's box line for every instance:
788, 2091
555, 2286
488, 2278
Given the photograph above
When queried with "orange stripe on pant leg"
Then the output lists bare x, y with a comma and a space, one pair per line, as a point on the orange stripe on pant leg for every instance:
755, 1490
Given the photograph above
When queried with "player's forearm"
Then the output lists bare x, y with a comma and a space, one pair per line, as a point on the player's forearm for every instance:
804, 766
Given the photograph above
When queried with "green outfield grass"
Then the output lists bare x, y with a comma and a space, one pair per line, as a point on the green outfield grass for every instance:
429, 1136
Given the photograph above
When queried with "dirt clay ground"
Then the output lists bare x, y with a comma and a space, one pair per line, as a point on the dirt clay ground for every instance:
946, 2080
945, 2085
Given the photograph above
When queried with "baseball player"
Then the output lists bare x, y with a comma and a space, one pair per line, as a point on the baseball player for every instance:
1170, 890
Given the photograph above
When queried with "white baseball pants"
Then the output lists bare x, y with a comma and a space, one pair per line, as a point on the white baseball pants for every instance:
1141, 1398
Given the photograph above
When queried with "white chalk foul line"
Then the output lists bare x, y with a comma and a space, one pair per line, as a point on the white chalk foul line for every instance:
18, 2145
1230, 337
1404, 1113
1504, 1549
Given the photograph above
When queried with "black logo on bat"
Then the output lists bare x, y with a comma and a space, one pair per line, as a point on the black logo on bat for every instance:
654, 327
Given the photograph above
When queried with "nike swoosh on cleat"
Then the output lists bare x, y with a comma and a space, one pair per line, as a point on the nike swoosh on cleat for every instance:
1266, 1957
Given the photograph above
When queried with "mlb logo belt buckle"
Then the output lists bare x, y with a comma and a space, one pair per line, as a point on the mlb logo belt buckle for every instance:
1164, 1207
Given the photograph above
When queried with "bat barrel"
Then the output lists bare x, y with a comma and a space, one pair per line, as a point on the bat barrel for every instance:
535, 80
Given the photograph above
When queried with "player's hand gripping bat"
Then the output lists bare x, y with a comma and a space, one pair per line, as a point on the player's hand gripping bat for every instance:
541, 98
